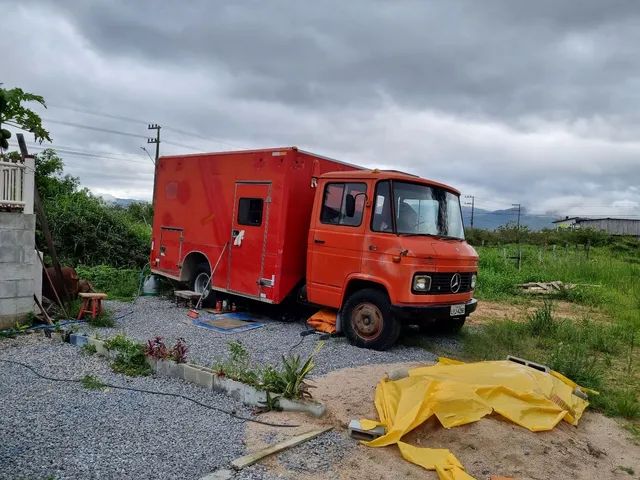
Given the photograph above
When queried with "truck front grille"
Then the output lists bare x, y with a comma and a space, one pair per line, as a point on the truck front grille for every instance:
441, 282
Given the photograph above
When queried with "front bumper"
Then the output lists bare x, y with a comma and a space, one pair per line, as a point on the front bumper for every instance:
430, 312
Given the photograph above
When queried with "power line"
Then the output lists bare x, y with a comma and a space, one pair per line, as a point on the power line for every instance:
137, 120
99, 114
97, 129
89, 154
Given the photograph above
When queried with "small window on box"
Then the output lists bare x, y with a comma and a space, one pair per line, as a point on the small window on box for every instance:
250, 211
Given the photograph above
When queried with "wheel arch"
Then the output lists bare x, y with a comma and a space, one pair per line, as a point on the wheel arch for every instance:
190, 263
356, 283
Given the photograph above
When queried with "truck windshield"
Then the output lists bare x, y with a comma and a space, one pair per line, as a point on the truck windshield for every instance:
418, 210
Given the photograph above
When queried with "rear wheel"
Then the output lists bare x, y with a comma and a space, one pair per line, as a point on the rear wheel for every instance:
200, 284
368, 322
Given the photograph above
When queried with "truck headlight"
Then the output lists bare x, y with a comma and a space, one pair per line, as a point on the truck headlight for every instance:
421, 283
474, 277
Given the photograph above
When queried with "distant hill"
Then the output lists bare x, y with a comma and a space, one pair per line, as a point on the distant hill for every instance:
490, 220
120, 202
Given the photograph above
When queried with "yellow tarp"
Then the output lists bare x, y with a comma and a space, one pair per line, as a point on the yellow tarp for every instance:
459, 393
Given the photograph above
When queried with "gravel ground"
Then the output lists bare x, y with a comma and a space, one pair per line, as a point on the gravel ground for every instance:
151, 316
61, 430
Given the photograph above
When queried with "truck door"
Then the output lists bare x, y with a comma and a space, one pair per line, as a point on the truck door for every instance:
170, 248
335, 241
248, 237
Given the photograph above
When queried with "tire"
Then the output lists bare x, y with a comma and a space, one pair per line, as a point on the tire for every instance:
198, 282
368, 321
448, 326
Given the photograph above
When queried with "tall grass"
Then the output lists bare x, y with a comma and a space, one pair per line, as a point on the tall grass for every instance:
600, 352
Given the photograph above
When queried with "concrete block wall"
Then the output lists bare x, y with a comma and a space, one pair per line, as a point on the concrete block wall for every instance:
20, 273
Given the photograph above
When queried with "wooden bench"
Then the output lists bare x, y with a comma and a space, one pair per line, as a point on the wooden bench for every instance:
188, 297
91, 303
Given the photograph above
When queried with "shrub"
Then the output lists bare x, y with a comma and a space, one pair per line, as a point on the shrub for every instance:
130, 359
118, 283
91, 382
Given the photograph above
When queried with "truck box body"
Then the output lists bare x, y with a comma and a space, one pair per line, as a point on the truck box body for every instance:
247, 212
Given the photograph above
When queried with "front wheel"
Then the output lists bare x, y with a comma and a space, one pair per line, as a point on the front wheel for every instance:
368, 322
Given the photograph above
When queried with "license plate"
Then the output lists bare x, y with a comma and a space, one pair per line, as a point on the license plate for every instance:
457, 310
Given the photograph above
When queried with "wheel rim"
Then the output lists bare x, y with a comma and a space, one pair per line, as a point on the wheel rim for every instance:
367, 321
201, 284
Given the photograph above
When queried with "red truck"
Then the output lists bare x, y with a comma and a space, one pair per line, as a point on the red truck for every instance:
380, 247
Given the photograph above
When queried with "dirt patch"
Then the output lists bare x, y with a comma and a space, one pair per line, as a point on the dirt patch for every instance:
488, 311
595, 449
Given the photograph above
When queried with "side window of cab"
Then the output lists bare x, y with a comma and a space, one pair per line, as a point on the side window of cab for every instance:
343, 203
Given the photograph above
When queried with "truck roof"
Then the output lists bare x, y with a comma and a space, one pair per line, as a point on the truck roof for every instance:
261, 150
387, 174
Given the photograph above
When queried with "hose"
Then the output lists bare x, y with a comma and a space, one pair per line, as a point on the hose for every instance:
154, 392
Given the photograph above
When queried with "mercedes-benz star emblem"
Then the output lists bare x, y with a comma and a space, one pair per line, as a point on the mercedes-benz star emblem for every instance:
456, 282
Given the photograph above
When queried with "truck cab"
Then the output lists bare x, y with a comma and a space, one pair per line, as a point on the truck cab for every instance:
386, 248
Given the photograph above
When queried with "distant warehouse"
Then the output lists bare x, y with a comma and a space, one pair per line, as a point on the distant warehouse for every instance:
613, 226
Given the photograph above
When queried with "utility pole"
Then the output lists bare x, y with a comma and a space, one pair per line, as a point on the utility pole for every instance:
473, 204
156, 127
519, 208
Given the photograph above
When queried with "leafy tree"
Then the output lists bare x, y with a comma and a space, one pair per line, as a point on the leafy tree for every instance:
50, 179
14, 114
85, 229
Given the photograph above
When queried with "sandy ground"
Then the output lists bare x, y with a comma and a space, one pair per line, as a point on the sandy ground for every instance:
488, 311
596, 449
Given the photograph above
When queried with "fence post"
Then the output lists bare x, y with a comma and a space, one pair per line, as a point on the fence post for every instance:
28, 184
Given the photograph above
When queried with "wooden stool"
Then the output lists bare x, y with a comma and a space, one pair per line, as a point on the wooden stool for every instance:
91, 302
186, 296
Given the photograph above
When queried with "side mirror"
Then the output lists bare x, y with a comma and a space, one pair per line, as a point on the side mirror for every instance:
350, 205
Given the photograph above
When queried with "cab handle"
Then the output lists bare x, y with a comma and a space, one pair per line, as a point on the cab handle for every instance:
318, 240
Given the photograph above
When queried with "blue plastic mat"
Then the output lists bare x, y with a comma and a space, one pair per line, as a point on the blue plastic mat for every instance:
234, 322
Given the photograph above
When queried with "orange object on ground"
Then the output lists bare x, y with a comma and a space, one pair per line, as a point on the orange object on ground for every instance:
323, 321
91, 303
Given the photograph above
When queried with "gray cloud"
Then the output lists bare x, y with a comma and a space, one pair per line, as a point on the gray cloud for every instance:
514, 101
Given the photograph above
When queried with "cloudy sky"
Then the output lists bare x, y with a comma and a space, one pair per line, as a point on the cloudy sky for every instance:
510, 101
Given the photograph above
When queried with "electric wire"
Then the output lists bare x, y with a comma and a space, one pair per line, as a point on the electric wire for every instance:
154, 392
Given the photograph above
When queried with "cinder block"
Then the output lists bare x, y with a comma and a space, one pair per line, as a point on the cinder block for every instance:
16, 271
16, 306
10, 254
24, 287
27, 238
17, 221
9, 237
8, 289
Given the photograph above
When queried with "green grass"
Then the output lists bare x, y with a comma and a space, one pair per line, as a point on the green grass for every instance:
598, 351
130, 359
91, 382
118, 283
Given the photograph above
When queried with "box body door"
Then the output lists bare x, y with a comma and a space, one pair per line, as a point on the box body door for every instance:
248, 237
170, 248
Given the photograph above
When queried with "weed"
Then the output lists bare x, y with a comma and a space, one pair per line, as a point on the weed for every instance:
541, 322
104, 320
634, 429
628, 470
290, 379
89, 349
91, 382
574, 361
131, 359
